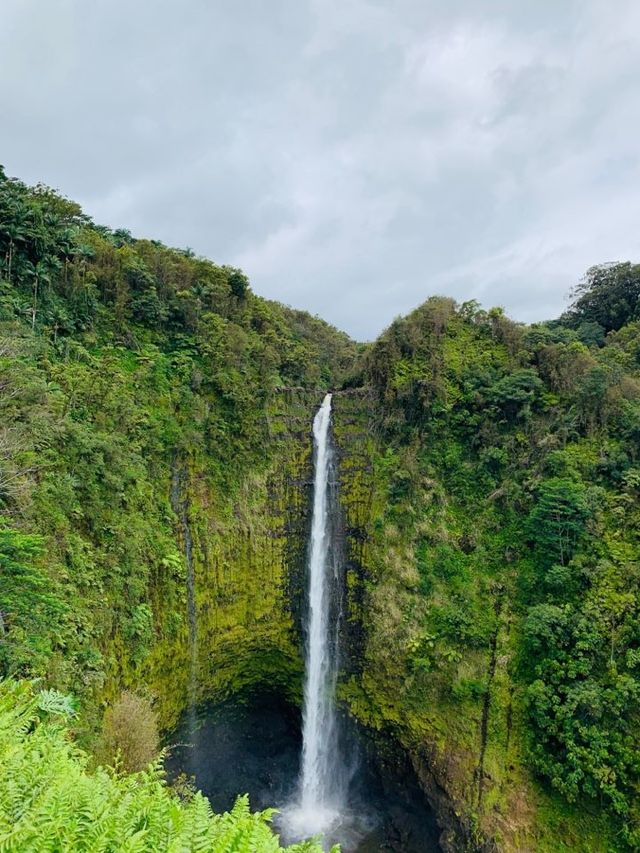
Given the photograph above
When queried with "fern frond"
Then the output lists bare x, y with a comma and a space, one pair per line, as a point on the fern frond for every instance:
49, 802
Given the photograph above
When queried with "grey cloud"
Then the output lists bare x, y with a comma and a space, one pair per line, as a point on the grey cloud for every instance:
355, 156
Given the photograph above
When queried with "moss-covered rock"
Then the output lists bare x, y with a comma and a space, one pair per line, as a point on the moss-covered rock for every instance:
248, 563
436, 619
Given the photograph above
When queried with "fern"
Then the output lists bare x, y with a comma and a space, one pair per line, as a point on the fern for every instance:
49, 802
53, 702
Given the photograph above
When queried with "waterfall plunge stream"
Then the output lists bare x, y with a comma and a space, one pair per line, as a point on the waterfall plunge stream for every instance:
254, 747
323, 779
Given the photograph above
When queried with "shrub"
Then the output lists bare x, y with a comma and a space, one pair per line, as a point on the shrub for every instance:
130, 733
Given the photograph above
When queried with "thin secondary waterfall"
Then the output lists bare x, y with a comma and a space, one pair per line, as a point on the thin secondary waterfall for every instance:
322, 778
180, 504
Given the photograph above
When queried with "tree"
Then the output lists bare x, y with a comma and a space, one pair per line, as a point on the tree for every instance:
514, 392
239, 283
558, 520
130, 733
148, 309
608, 295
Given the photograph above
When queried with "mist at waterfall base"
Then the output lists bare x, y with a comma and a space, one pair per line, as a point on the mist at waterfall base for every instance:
248, 748
253, 746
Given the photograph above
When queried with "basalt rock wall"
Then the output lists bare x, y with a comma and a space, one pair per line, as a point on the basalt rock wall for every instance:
242, 587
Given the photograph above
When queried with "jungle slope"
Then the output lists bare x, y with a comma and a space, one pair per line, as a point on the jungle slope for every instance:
491, 485
154, 479
154, 462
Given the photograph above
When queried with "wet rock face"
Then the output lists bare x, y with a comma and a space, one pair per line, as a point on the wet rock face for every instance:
458, 831
244, 581
254, 747
354, 444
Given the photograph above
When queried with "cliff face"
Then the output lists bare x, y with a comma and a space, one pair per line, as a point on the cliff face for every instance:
159, 544
466, 750
248, 557
379, 598
243, 572
243, 583
478, 511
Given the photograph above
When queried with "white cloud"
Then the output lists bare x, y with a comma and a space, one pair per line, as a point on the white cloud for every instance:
353, 156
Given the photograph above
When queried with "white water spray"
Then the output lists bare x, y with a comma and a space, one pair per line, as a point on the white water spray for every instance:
320, 803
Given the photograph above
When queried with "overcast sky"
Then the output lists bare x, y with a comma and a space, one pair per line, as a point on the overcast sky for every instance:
353, 156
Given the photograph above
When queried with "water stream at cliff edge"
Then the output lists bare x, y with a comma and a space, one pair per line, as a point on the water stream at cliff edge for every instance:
322, 793
253, 743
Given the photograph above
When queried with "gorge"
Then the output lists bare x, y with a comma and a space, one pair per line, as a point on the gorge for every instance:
342, 793
323, 783
158, 505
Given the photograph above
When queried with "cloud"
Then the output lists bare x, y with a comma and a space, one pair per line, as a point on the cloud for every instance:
354, 157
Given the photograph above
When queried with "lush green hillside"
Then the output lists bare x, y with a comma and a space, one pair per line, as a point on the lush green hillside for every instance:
154, 486
501, 574
144, 400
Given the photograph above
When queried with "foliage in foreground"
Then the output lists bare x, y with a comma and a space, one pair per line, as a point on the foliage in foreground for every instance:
49, 801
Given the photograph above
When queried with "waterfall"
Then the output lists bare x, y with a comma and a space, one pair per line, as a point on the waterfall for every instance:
322, 785
180, 504
319, 747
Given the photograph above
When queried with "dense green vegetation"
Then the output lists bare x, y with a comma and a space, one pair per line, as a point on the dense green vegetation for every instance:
119, 359
50, 801
154, 446
508, 540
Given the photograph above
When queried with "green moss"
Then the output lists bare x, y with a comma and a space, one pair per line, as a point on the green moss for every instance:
429, 587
